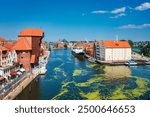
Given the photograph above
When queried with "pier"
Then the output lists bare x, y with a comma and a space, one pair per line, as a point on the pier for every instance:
137, 58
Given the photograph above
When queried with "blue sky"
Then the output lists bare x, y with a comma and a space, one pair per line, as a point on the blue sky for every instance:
77, 19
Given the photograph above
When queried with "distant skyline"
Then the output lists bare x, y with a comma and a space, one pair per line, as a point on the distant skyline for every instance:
77, 20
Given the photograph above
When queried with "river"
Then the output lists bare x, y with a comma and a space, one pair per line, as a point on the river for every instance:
70, 78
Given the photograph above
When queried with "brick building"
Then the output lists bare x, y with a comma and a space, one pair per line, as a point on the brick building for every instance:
28, 47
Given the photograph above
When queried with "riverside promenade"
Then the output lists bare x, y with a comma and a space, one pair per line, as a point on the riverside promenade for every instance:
12, 90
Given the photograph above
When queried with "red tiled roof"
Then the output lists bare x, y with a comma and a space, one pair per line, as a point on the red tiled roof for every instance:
32, 58
8, 45
116, 44
2, 39
22, 44
3, 48
32, 32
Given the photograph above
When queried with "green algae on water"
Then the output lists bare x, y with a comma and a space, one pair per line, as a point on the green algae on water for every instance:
90, 81
95, 95
57, 69
118, 94
55, 77
121, 93
91, 65
65, 84
77, 72
62, 92
141, 87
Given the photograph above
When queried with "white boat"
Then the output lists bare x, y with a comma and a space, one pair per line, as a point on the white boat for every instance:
131, 63
147, 62
78, 51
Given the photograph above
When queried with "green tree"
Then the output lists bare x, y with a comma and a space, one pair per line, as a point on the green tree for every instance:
146, 50
131, 43
65, 45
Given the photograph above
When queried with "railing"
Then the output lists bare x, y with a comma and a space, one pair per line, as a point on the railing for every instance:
9, 85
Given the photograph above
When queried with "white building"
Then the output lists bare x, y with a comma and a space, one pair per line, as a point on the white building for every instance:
113, 51
8, 59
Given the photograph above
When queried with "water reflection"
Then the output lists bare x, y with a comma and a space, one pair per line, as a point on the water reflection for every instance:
117, 71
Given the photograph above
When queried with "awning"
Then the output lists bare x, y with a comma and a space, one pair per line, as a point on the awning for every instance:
22, 70
13, 73
19, 73
1, 78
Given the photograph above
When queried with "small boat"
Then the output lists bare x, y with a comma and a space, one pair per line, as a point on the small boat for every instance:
92, 60
147, 62
78, 51
131, 63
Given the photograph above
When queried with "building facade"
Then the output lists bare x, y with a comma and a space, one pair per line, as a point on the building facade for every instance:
28, 47
113, 51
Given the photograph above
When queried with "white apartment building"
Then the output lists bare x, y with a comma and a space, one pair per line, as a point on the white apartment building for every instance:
113, 51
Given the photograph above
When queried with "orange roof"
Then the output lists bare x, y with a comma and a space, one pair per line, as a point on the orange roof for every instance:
3, 48
8, 45
32, 59
116, 44
22, 44
2, 39
32, 32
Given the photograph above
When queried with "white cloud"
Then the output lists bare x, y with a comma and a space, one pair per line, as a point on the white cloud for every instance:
99, 12
133, 26
142, 7
119, 15
120, 10
116, 11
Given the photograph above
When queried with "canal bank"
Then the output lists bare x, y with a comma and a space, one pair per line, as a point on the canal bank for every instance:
70, 78
19, 86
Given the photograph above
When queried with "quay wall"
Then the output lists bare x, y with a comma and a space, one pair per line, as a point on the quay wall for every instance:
20, 86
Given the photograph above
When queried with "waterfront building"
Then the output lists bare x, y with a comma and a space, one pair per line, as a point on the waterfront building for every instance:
28, 47
60, 45
89, 49
8, 59
113, 51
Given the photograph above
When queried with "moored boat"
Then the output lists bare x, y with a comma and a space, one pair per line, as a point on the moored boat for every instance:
147, 62
78, 51
131, 63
